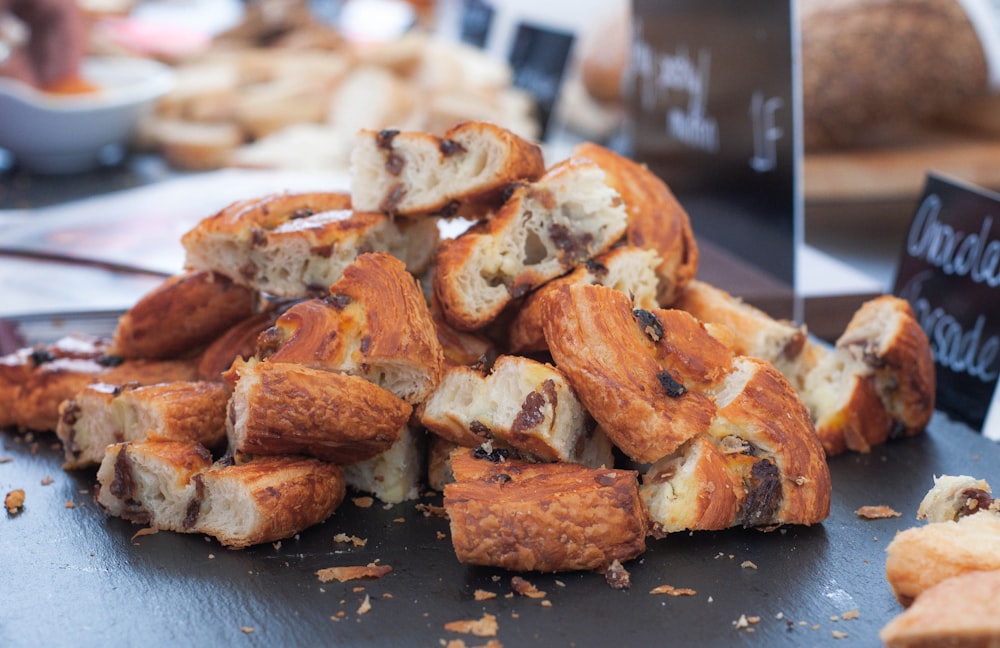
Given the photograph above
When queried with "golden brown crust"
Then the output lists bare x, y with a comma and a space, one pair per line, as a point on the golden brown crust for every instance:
921, 557
284, 408
657, 221
237, 241
861, 423
958, 612
642, 376
544, 517
877, 384
416, 173
759, 464
374, 324
284, 495
244, 220
180, 316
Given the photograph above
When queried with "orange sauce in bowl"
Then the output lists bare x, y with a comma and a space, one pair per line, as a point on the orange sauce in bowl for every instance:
71, 84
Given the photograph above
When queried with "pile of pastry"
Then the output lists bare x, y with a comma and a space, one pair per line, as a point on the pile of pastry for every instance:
554, 367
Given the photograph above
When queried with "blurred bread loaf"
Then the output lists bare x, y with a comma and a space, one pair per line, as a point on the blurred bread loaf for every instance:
873, 64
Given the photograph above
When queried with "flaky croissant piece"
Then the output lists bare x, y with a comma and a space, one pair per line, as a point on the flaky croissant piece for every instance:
375, 323
543, 516
175, 486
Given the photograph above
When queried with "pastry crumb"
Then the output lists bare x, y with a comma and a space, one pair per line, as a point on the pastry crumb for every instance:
363, 502
246, 629
432, 511
47, 480
525, 588
746, 564
670, 590
343, 574
617, 576
485, 627
483, 595
839, 634
144, 532
354, 540
366, 605
850, 614
877, 512
14, 501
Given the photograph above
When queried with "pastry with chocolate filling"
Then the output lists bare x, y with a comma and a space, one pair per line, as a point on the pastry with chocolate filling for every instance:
656, 220
877, 383
102, 414
545, 517
521, 404
956, 496
646, 376
545, 229
181, 315
296, 245
628, 269
286, 408
175, 486
16, 368
375, 324
411, 173
264, 499
36, 405
758, 465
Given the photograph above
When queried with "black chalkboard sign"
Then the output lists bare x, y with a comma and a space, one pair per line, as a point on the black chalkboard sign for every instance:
476, 22
713, 100
949, 272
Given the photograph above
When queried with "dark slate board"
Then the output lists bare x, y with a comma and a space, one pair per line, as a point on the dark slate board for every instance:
72, 576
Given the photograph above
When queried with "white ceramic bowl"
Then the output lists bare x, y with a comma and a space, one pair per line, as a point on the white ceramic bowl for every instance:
51, 133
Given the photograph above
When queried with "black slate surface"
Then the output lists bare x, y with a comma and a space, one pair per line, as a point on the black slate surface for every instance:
72, 576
